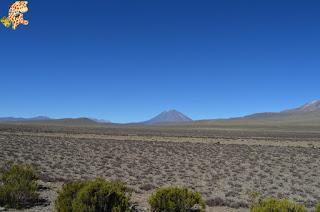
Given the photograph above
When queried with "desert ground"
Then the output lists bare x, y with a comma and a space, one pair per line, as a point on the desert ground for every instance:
223, 163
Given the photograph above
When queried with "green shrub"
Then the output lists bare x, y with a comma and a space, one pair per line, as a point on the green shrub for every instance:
276, 205
67, 195
175, 199
18, 186
90, 196
317, 208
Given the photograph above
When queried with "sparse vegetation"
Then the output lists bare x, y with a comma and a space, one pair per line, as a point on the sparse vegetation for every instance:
175, 199
276, 205
18, 186
278, 164
90, 196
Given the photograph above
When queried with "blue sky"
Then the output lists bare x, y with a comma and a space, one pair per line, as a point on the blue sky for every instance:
127, 60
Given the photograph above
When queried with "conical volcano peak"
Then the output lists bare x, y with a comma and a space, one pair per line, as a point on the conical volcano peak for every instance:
169, 116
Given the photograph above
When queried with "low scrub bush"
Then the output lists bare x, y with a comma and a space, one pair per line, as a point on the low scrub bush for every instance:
317, 208
91, 196
67, 195
276, 205
175, 199
18, 186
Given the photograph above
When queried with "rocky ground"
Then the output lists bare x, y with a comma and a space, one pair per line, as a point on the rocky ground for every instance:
224, 172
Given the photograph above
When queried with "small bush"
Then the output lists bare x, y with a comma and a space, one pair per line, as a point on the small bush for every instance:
276, 205
67, 195
18, 186
175, 199
90, 196
254, 198
317, 208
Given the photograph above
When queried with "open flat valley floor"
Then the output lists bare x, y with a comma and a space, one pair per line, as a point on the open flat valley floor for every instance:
224, 165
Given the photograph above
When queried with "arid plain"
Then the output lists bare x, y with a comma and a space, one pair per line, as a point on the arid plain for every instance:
223, 163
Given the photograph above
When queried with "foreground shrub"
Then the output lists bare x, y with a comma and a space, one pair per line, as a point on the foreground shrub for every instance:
175, 199
67, 195
317, 208
18, 187
276, 205
91, 196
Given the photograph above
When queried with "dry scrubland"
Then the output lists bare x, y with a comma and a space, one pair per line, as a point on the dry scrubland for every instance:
222, 163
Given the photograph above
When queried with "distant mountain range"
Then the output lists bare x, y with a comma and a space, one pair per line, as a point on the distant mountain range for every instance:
308, 108
308, 113
48, 120
68, 122
14, 119
170, 116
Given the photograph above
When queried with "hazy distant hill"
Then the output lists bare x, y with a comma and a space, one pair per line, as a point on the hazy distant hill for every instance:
48, 121
306, 110
307, 114
66, 122
102, 121
14, 119
313, 106
170, 116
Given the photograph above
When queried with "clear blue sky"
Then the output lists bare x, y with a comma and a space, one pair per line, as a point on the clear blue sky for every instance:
127, 60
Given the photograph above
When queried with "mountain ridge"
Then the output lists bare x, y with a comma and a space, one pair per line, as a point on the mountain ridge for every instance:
309, 107
305, 114
15, 119
50, 121
312, 106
